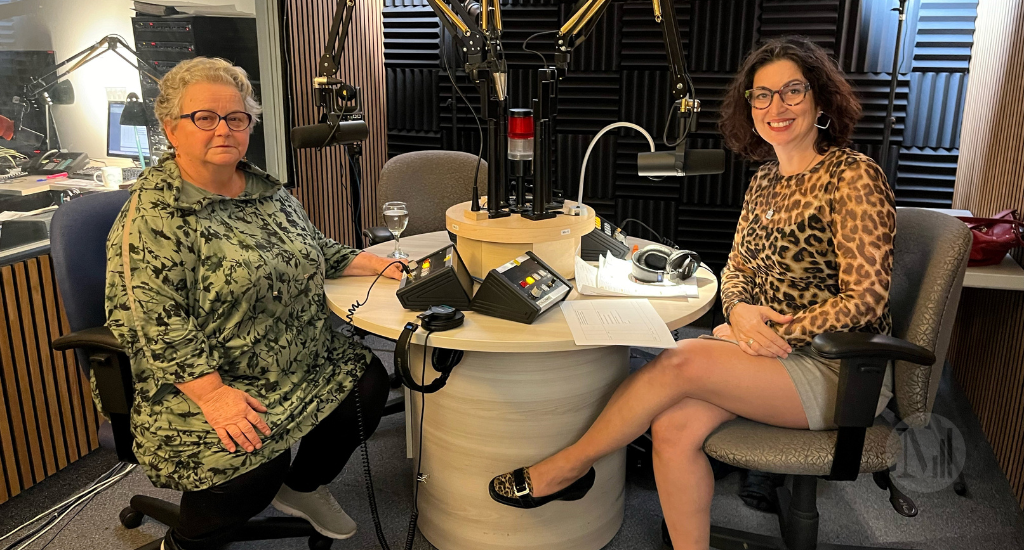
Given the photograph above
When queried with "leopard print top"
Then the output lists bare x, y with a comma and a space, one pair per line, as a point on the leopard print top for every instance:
824, 255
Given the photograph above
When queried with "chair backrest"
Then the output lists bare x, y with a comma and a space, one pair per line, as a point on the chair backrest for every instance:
78, 246
929, 260
429, 182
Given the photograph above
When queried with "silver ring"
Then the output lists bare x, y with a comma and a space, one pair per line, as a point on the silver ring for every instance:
750, 342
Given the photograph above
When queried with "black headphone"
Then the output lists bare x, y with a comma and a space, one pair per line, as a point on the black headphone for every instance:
658, 263
435, 319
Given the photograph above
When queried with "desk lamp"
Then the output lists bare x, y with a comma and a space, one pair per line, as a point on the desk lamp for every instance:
49, 89
134, 114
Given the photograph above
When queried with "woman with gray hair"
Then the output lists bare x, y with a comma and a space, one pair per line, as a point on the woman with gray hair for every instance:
215, 288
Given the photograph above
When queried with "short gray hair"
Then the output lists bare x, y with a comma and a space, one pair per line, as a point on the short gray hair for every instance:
214, 70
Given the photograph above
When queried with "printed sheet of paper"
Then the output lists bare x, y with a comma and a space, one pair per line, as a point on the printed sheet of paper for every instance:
617, 322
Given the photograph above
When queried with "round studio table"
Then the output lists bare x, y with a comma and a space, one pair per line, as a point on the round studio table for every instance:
520, 393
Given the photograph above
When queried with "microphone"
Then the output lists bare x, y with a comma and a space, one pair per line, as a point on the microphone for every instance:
681, 162
326, 134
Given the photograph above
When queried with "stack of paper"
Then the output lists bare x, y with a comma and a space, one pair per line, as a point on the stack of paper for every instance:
616, 323
611, 278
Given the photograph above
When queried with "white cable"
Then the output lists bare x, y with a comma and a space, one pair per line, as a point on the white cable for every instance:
612, 126
61, 505
79, 500
96, 487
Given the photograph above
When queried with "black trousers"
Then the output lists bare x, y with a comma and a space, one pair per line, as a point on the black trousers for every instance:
208, 517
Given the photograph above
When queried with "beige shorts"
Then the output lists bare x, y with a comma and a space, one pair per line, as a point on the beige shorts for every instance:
817, 380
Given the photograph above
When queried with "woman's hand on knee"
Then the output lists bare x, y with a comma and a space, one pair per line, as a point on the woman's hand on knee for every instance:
232, 413
749, 327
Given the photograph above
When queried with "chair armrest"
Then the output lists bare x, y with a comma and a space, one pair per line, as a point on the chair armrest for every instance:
96, 338
844, 345
863, 358
377, 235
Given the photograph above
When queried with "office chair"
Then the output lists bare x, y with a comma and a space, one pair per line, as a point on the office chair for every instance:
429, 182
78, 246
929, 259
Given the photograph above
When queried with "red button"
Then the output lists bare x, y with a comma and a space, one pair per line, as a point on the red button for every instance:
522, 284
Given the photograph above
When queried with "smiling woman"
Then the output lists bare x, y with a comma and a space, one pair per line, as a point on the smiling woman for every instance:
812, 254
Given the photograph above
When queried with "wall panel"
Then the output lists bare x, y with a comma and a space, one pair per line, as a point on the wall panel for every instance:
321, 177
47, 417
986, 350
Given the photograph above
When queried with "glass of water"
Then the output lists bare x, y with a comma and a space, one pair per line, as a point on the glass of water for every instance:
396, 217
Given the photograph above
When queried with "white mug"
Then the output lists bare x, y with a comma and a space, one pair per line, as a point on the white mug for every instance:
110, 176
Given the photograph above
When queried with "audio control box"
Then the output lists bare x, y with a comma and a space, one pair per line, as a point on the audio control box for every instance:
439, 278
520, 290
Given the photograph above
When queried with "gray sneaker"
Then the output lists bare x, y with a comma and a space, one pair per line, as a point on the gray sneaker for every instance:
319, 508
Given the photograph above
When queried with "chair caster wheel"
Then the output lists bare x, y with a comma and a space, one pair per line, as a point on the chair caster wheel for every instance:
130, 517
320, 542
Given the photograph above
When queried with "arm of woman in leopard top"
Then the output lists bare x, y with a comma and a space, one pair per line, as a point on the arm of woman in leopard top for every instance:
863, 226
737, 284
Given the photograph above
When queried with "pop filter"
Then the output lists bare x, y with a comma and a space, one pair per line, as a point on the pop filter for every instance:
326, 134
681, 162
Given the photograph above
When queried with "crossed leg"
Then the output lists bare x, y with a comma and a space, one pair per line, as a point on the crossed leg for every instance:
683, 395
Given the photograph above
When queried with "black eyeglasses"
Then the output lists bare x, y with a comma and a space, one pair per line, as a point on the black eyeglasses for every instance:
209, 120
790, 94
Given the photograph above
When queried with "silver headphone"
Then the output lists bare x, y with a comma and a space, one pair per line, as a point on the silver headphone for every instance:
658, 263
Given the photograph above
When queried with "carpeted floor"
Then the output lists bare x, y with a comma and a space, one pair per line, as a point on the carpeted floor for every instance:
851, 512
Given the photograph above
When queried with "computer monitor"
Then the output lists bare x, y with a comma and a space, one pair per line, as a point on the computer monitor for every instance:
121, 139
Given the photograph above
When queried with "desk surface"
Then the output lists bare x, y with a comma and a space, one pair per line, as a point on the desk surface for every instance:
385, 316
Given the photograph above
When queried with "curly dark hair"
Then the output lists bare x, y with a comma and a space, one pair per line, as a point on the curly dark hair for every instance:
832, 94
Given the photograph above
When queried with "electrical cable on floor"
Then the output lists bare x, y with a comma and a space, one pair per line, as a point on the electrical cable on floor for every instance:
58, 512
368, 476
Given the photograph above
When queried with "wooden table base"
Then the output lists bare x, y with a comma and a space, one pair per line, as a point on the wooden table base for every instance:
501, 411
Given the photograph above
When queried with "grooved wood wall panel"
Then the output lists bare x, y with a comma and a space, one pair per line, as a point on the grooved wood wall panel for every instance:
47, 417
987, 351
321, 177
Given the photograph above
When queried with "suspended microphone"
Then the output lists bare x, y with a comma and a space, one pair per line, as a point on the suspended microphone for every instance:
327, 134
681, 162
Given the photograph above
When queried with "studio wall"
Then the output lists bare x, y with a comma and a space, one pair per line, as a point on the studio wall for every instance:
321, 176
986, 350
621, 73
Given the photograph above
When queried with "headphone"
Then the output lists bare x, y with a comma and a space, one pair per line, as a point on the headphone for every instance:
435, 319
658, 263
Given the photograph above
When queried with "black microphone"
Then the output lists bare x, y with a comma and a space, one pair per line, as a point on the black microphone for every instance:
681, 162
326, 134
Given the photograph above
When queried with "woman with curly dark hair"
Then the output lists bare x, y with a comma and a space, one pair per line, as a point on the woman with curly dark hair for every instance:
812, 254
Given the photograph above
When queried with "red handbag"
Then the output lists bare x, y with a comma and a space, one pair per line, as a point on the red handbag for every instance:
993, 237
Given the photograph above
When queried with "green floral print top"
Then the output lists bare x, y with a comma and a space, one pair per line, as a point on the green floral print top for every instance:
232, 285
